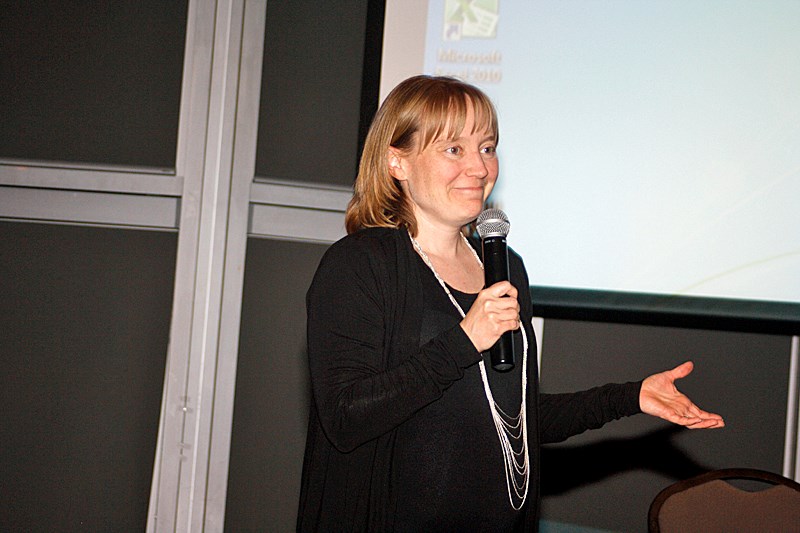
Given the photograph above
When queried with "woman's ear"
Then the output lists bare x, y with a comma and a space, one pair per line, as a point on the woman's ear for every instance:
394, 160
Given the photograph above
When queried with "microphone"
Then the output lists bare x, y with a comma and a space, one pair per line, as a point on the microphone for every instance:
493, 226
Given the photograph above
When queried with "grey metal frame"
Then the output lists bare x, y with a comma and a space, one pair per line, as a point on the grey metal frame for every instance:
214, 201
791, 451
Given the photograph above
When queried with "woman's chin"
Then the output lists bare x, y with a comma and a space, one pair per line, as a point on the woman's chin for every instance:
471, 214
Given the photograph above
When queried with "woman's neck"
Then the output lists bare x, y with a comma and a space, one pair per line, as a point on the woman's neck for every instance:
444, 244
452, 258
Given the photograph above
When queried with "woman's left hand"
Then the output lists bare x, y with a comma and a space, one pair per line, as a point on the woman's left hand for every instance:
659, 397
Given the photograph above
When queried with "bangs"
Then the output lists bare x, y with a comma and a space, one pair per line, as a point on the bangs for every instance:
423, 109
445, 114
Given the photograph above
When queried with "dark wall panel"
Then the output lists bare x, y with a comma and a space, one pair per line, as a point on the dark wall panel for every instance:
272, 389
85, 318
311, 91
93, 81
607, 478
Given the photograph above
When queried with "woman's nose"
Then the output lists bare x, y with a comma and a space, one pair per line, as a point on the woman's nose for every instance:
476, 165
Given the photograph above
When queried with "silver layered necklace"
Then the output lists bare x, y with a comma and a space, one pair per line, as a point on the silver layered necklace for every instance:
512, 431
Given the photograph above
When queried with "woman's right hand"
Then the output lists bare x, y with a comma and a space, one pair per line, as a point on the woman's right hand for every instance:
495, 311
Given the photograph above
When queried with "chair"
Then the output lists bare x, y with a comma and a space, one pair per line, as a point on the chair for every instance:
709, 503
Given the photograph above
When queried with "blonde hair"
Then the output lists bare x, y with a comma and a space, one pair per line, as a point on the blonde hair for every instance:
419, 110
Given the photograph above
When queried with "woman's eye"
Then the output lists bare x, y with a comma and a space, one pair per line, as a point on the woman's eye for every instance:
454, 150
488, 150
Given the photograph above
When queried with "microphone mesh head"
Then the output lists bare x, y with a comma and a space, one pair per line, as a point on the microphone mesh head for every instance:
493, 223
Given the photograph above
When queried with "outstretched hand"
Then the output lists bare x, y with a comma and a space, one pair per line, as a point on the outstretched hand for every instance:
659, 397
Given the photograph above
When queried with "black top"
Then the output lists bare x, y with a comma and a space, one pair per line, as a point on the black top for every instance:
448, 461
376, 381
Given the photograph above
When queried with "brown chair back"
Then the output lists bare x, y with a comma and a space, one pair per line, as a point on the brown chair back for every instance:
708, 503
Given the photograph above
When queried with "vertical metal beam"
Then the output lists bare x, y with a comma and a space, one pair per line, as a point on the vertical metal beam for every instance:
214, 158
242, 174
538, 328
791, 450
196, 88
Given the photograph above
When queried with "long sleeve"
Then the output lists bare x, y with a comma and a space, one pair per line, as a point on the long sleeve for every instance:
368, 375
565, 415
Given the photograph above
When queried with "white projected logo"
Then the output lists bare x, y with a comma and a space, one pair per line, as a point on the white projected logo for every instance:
470, 19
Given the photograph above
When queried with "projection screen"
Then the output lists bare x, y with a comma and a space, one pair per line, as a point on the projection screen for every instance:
649, 152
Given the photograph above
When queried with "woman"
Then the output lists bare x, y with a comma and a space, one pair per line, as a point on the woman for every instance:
408, 430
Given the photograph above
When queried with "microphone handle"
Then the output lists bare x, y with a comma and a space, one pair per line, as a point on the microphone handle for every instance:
495, 268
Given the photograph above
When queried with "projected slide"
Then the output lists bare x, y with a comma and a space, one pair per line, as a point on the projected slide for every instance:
645, 146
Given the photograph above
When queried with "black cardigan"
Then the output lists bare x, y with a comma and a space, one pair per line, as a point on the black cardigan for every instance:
369, 374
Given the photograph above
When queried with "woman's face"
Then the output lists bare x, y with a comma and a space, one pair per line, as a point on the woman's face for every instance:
449, 181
